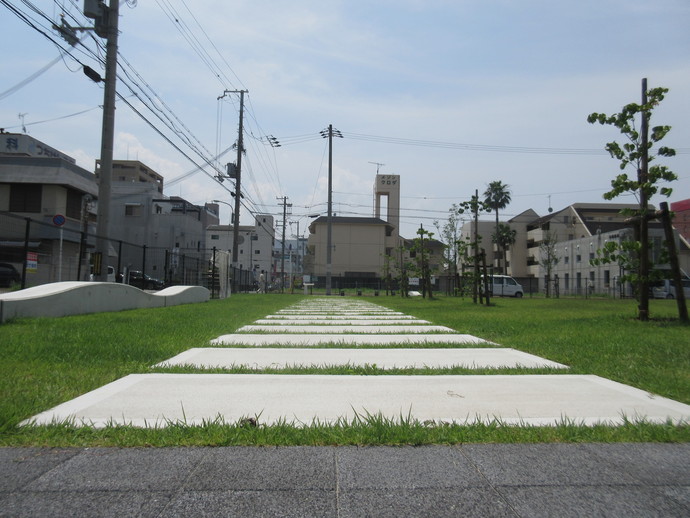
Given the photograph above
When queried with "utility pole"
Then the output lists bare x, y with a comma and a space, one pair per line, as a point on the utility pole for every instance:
282, 252
328, 133
238, 179
110, 15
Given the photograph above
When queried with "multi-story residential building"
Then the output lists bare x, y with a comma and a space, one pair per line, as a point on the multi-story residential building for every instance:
172, 229
577, 233
45, 185
147, 230
254, 246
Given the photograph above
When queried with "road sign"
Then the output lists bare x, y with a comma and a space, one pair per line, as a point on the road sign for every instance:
58, 220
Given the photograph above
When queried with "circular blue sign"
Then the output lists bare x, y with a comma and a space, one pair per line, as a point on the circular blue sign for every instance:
59, 220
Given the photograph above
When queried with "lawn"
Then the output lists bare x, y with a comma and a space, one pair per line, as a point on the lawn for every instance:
44, 362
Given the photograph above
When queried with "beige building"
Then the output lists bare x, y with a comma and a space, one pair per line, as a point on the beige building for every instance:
360, 245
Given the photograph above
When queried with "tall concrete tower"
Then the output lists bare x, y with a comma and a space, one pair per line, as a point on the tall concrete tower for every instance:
388, 185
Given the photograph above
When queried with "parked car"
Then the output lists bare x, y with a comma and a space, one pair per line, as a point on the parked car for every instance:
9, 275
665, 289
504, 286
143, 281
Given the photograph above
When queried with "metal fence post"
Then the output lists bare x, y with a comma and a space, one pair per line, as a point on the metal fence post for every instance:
26, 251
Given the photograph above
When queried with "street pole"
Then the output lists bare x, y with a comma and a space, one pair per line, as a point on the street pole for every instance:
107, 139
240, 148
329, 219
329, 134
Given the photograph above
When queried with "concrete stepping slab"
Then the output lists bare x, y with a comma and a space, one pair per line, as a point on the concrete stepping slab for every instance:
343, 317
337, 329
336, 311
340, 321
295, 339
264, 358
156, 400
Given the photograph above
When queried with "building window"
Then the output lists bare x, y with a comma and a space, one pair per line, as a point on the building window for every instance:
25, 197
257, 252
73, 207
578, 258
132, 209
566, 259
215, 237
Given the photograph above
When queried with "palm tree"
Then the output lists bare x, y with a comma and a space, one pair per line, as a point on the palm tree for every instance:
497, 196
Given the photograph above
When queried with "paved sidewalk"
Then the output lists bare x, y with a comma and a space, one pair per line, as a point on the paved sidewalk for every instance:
513, 480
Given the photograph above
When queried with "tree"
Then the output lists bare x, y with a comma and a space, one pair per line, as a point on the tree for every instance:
474, 206
504, 237
636, 153
422, 261
548, 257
449, 237
497, 196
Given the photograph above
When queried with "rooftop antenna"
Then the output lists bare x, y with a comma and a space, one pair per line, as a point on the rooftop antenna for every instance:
21, 117
378, 165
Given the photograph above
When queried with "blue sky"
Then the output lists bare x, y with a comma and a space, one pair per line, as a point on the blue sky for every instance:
499, 73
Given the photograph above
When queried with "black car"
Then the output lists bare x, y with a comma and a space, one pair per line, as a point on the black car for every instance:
9, 275
144, 282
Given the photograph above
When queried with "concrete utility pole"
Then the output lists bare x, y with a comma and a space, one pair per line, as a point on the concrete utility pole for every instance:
238, 195
282, 251
107, 138
329, 220
237, 175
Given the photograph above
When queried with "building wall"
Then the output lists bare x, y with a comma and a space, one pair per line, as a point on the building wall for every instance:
59, 179
681, 217
255, 247
357, 247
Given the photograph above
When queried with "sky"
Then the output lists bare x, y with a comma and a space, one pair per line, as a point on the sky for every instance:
448, 94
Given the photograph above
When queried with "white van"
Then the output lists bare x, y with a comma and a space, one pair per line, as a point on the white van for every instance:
110, 274
504, 286
666, 289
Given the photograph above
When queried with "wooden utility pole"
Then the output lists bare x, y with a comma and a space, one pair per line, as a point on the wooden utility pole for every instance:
642, 176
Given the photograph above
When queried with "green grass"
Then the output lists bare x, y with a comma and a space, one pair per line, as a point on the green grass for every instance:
44, 362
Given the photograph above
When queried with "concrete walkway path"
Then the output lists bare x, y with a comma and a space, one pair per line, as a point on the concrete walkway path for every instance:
159, 399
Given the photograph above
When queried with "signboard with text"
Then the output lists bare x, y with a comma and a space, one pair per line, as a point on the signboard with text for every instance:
31, 262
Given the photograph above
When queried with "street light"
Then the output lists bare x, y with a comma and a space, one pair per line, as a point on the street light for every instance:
232, 214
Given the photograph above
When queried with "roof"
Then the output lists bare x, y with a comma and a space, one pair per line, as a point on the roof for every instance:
347, 220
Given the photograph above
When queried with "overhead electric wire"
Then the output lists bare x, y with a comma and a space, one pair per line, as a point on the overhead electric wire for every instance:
30, 78
131, 84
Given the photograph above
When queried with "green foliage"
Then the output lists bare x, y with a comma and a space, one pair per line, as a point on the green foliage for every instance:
633, 151
626, 254
504, 236
497, 196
